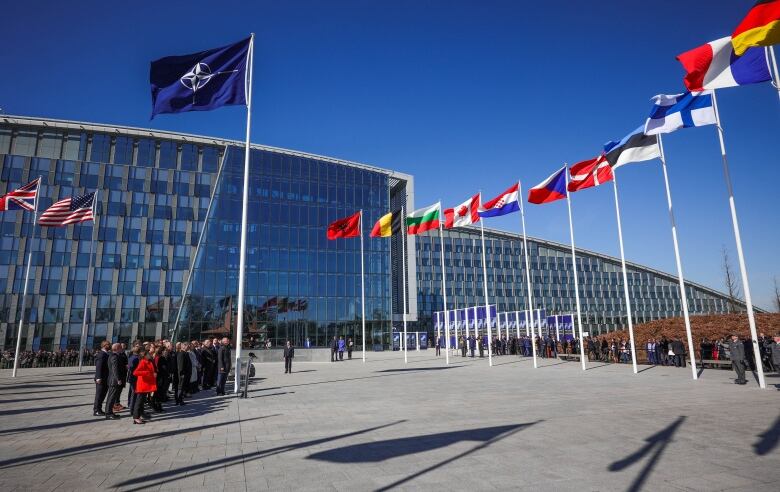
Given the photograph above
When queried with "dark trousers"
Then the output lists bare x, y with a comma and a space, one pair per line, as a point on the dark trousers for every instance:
113, 396
131, 397
349, 353
118, 395
739, 367
100, 395
180, 390
138, 404
333, 355
463, 351
221, 380
438, 350
287, 364
341, 355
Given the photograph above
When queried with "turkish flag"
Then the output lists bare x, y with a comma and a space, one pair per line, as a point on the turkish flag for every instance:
346, 227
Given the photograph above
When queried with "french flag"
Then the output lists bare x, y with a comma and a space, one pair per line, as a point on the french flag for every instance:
549, 190
715, 66
505, 203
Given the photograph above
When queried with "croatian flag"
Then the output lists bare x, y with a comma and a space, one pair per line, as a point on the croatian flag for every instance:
549, 190
686, 110
505, 203
715, 66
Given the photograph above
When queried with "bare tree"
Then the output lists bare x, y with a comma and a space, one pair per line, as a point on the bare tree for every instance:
730, 280
777, 295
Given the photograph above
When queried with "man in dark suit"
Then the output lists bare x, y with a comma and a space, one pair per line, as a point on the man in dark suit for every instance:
679, 352
183, 370
117, 375
101, 378
289, 353
224, 364
737, 350
334, 346
209, 362
123, 364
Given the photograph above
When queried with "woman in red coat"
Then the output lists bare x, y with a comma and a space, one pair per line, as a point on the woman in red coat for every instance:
146, 383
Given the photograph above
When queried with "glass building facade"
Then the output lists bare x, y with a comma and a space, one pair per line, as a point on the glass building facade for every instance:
654, 294
170, 204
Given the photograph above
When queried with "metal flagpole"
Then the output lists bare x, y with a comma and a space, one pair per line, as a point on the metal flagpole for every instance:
574, 271
90, 275
362, 288
625, 274
444, 292
527, 273
26, 280
776, 77
244, 213
740, 254
403, 267
487, 301
197, 251
438, 325
474, 279
557, 329
683, 296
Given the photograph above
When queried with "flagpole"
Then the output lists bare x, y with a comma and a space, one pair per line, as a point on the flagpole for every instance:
90, 274
740, 254
438, 325
362, 288
403, 267
444, 292
197, 251
681, 280
625, 274
776, 78
244, 214
454, 295
26, 279
574, 271
527, 272
487, 301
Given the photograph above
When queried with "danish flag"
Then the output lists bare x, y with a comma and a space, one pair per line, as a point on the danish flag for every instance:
590, 173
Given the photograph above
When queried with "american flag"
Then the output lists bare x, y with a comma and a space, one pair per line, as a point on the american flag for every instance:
21, 199
69, 211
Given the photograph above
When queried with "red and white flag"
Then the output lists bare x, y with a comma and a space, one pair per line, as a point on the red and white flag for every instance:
69, 211
466, 213
590, 173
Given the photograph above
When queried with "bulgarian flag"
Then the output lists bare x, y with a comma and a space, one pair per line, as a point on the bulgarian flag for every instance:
423, 219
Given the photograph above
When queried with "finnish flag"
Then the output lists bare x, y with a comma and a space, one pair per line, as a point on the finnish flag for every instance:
686, 110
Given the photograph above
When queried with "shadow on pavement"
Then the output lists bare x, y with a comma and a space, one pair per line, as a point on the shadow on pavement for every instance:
418, 369
645, 369
42, 409
769, 439
151, 480
657, 441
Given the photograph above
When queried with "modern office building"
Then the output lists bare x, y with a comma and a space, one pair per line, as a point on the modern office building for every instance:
155, 210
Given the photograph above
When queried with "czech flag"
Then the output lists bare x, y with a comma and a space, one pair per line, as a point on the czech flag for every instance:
549, 190
715, 66
760, 27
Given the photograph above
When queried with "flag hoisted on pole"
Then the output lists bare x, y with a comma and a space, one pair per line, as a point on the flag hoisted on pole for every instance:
20, 200
352, 226
362, 289
487, 299
403, 273
680, 279
443, 287
90, 276
740, 254
201, 82
527, 272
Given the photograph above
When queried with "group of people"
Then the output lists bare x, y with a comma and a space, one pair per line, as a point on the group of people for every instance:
546, 346
740, 352
152, 370
46, 358
338, 346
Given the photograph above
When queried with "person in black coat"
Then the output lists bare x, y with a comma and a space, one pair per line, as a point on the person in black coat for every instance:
737, 351
224, 363
334, 346
117, 375
679, 352
183, 372
289, 353
173, 372
101, 378
209, 363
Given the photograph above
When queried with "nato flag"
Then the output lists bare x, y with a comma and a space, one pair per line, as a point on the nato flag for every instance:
200, 81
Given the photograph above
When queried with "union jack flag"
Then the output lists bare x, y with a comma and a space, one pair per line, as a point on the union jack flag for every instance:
21, 199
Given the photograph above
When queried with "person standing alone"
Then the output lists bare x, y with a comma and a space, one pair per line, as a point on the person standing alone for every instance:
289, 353
224, 364
737, 349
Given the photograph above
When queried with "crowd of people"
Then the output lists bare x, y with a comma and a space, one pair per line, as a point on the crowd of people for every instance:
46, 358
155, 372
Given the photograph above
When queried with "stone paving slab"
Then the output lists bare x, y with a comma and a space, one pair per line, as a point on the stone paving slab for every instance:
386, 425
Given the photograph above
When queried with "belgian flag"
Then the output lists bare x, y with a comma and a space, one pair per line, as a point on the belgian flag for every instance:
388, 225
760, 27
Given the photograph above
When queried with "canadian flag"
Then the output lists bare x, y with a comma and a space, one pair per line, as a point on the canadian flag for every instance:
464, 214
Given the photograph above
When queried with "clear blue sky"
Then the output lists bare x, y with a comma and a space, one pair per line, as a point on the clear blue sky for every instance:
463, 95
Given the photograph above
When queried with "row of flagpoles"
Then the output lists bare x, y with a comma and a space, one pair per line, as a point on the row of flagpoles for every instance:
712, 66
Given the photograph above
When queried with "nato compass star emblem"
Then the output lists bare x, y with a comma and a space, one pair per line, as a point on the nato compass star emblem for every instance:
198, 77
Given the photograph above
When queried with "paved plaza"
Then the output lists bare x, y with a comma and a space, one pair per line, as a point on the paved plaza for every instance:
384, 425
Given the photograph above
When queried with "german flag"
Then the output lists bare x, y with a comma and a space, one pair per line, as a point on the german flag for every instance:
388, 225
760, 27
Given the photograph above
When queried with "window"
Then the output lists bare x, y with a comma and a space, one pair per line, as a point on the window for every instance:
210, 159
50, 145
139, 206
147, 152
12, 169
72, 146
136, 179
189, 157
112, 178
88, 177
168, 155
101, 148
159, 181
203, 185
5, 140
24, 143
163, 208
116, 203
181, 183
123, 150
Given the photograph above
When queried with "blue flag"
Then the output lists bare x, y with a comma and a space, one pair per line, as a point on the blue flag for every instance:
200, 81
